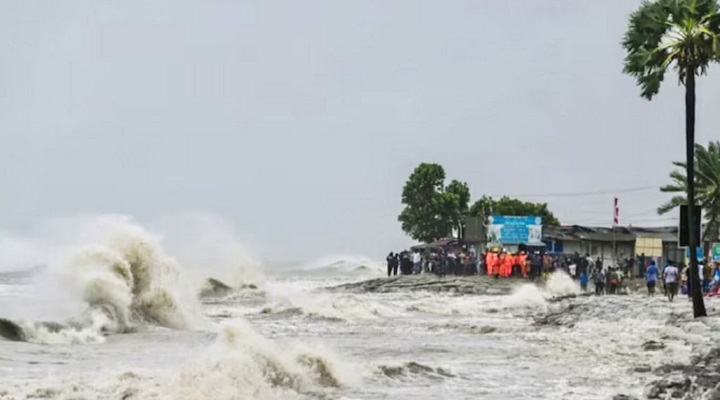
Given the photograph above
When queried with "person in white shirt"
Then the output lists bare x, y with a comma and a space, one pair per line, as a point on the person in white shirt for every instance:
417, 262
671, 281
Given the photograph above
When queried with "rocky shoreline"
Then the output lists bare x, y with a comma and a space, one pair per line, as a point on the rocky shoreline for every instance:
698, 380
479, 285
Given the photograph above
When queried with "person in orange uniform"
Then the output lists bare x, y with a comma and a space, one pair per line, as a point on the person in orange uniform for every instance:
490, 262
522, 260
500, 265
497, 263
508, 264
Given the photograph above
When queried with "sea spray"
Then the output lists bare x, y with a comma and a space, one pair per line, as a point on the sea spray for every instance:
209, 249
122, 272
19, 253
533, 296
526, 296
244, 365
561, 284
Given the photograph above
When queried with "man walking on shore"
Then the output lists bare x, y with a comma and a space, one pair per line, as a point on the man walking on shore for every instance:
651, 277
671, 281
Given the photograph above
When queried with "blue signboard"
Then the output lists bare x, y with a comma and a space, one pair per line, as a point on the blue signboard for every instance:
515, 230
698, 254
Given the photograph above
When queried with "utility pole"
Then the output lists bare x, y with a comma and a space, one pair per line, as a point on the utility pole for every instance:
616, 221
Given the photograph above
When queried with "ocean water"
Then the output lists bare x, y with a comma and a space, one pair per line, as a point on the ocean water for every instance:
127, 323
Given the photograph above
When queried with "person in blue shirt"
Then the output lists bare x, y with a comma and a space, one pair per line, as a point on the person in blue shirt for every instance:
584, 281
651, 275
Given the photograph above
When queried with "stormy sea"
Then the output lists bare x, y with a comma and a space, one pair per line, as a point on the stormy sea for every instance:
120, 313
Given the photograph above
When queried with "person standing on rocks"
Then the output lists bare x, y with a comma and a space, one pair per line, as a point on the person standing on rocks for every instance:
417, 263
390, 262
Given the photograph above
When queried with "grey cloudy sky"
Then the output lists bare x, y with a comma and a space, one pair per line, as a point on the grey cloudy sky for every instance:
298, 122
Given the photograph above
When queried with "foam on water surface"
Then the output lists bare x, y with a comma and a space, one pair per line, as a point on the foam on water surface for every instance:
292, 339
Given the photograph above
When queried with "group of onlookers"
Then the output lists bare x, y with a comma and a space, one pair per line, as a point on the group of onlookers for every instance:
495, 262
438, 262
505, 264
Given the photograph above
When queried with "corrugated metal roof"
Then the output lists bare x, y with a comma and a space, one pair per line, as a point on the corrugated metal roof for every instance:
603, 234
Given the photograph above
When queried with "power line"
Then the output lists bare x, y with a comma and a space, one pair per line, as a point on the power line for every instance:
579, 194
608, 222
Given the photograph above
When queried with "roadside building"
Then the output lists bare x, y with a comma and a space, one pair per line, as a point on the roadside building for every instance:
605, 243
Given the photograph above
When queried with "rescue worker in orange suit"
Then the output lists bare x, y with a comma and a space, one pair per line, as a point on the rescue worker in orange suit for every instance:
490, 262
508, 264
522, 260
500, 265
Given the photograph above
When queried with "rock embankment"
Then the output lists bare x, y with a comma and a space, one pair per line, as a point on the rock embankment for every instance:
481, 285
698, 380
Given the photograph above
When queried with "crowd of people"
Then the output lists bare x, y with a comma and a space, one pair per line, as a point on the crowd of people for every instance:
494, 262
676, 280
500, 263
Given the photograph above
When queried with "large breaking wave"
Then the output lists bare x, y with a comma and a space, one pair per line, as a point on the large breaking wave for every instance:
118, 280
240, 364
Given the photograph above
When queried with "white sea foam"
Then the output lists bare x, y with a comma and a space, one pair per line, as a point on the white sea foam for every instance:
535, 297
526, 296
243, 364
561, 284
240, 364
334, 306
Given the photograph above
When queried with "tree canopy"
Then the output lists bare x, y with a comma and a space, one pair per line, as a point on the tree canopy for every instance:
707, 187
510, 206
683, 35
677, 34
431, 209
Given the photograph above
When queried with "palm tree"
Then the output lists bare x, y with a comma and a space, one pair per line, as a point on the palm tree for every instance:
707, 188
682, 35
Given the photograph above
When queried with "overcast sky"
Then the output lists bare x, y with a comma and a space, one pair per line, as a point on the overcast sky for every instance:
297, 123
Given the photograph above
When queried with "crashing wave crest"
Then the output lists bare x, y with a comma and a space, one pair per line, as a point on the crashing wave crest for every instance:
122, 280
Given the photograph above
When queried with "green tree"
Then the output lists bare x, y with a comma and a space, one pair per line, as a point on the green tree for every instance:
707, 187
510, 206
432, 210
682, 35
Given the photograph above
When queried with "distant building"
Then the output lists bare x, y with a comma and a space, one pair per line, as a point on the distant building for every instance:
661, 242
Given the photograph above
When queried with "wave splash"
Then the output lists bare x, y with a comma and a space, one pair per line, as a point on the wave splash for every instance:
240, 364
121, 280
244, 364
532, 296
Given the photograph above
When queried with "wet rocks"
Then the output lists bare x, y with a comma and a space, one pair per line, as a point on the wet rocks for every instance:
413, 368
653, 346
645, 368
10, 330
562, 314
698, 380
480, 285
623, 397
674, 386
215, 288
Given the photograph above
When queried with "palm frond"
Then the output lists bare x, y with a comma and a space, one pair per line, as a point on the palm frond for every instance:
663, 34
672, 204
